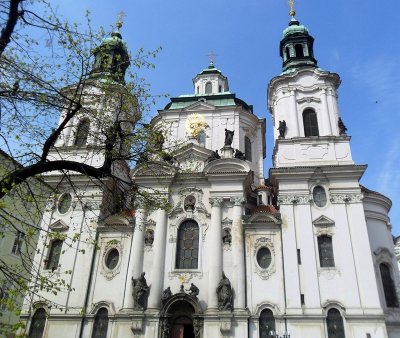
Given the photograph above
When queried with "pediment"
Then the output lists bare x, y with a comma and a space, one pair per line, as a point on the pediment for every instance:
262, 218
226, 165
154, 168
59, 226
199, 106
192, 158
116, 220
323, 221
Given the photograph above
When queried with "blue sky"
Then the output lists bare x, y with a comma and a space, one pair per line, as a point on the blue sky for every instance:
357, 39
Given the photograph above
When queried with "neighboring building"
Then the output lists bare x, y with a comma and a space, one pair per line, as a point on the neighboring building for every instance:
307, 250
20, 215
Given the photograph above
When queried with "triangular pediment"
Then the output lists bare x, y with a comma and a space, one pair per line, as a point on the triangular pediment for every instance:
59, 226
192, 158
199, 106
154, 168
323, 221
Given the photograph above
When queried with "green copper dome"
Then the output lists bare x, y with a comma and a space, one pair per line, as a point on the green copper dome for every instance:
294, 28
111, 59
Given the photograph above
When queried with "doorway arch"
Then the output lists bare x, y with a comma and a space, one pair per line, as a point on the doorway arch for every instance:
181, 317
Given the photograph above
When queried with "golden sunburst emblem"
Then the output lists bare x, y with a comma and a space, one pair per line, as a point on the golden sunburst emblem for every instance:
195, 124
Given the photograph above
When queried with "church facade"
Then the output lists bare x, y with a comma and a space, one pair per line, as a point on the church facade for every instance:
306, 252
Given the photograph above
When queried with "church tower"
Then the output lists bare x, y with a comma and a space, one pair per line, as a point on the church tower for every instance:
327, 235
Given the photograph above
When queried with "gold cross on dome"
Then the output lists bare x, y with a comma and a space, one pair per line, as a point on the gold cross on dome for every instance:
120, 19
212, 56
292, 12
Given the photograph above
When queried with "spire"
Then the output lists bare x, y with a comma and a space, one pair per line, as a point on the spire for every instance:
296, 47
111, 58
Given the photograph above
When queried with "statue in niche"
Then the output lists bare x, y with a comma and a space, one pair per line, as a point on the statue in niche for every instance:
166, 294
149, 237
282, 129
342, 127
228, 137
193, 290
227, 237
140, 292
238, 154
225, 295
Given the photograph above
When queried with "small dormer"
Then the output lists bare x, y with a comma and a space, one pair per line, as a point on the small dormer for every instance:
210, 81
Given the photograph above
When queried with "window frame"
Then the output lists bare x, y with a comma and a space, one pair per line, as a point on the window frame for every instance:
326, 196
268, 319
321, 253
97, 317
207, 86
248, 144
328, 319
394, 303
180, 258
51, 252
80, 141
311, 128
16, 248
34, 318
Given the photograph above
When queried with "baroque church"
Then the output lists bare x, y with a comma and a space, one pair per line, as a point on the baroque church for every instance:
305, 253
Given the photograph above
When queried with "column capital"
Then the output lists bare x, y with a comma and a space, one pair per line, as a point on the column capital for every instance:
216, 201
238, 200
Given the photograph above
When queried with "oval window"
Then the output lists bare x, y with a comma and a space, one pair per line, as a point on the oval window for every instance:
64, 203
319, 196
264, 257
112, 259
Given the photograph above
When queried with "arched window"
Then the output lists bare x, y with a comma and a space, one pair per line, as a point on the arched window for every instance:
54, 254
187, 249
266, 323
247, 148
37, 325
319, 196
388, 286
299, 50
325, 249
82, 133
334, 324
287, 51
100, 324
208, 88
202, 139
310, 123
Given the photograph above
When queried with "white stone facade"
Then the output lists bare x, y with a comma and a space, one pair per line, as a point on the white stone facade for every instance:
265, 236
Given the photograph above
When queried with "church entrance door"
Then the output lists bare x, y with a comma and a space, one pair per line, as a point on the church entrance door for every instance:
182, 328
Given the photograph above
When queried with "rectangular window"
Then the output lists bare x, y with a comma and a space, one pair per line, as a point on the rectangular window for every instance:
325, 252
298, 257
18, 241
54, 255
302, 301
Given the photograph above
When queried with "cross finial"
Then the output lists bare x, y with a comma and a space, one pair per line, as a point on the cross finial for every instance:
211, 56
120, 20
292, 12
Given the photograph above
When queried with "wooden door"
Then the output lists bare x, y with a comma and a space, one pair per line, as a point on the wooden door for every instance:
177, 331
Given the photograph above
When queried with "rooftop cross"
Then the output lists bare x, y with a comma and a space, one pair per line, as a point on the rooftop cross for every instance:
120, 20
212, 56
292, 12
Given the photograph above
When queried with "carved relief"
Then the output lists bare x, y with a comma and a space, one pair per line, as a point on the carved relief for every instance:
264, 272
314, 151
107, 248
294, 199
346, 198
186, 276
329, 273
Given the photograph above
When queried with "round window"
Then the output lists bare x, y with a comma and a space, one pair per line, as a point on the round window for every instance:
264, 257
64, 203
319, 196
112, 259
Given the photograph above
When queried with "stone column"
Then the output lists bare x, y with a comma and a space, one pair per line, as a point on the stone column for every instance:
238, 253
215, 252
136, 258
325, 119
157, 271
294, 120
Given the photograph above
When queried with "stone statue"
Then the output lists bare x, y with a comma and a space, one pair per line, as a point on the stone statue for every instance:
140, 292
342, 127
194, 290
166, 294
214, 156
240, 155
225, 295
282, 129
182, 289
228, 137
227, 237
149, 237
